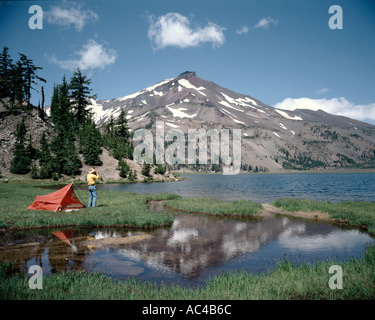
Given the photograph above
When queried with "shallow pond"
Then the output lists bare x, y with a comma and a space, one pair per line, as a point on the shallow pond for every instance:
189, 252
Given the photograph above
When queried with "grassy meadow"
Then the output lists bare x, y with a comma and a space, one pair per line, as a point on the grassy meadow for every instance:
356, 213
286, 281
216, 207
113, 209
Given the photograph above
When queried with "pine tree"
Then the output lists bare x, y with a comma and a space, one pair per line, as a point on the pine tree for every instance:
64, 117
29, 76
91, 144
108, 138
5, 71
31, 152
121, 129
34, 172
41, 111
55, 110
160, 169
63, 145
123, 168
122, 145
45, 159
17, 80
146, 169
132, 175
80, 93
72, 162
17, 93
20, 163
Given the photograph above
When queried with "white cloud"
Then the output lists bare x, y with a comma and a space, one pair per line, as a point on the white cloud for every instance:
323, 90
74, 17
265, 23
243, 30
92, 55
337, 106
173, 29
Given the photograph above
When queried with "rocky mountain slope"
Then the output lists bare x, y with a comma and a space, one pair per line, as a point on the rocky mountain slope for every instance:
35, 129
272, 139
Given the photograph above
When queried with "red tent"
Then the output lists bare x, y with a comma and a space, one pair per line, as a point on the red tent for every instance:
62, 199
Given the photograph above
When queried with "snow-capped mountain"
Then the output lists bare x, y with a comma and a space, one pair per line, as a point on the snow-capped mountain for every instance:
271, 138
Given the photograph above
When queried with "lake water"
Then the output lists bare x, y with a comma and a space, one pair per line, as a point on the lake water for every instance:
189, 252
198, 247
264, 188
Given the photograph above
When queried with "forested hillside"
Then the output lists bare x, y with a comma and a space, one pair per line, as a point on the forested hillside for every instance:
59, 144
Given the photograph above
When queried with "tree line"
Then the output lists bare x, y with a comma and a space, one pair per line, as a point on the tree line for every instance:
74, 129
18, 80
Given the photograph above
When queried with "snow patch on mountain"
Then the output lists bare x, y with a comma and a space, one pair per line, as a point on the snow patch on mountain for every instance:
179, 113
172, 125
282, 126
97, 109
285, 115
149, 89
156, 93
238, 121
185, 83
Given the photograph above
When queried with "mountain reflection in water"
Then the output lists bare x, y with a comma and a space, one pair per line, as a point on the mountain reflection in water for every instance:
193, 249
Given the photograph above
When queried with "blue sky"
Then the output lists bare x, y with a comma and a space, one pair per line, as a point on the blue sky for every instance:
281, 52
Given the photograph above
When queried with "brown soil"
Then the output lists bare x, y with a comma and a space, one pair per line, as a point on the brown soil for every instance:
91, 243
316, 215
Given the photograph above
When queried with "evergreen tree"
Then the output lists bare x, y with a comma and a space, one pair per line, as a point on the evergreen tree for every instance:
160, 169
66, 155
41, 111
123, 168
132, 176
17, 80
20, 163
121, 138
16, 86
29, 76
64, 118
55, 110
71, 163
45, 159
108, 138
80, 93
91, 144
5, 71
146, 169
121, 129
34, 172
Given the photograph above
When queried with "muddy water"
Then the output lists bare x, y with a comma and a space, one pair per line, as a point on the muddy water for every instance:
193, 249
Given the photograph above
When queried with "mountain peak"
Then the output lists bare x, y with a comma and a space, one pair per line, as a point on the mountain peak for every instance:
187, 74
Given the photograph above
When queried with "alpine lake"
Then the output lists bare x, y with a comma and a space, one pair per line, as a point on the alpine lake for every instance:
197, 247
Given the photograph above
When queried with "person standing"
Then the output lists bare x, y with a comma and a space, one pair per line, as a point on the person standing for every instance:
91, 182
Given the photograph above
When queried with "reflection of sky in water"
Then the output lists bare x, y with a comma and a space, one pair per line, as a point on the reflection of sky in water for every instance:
191, 254
335, 240
195, 248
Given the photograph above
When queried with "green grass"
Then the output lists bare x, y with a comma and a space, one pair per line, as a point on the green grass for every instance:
114, 208
357, 213
215, 207
285, 281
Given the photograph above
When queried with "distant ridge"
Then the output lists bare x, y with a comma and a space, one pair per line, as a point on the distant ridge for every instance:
272, 139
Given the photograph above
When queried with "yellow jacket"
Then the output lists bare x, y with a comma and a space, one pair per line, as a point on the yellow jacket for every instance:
91, 178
